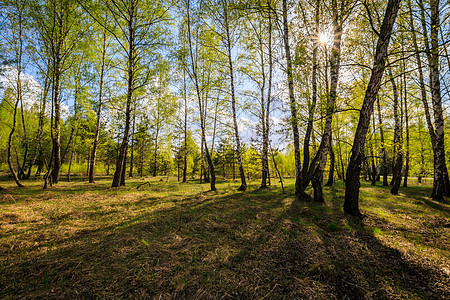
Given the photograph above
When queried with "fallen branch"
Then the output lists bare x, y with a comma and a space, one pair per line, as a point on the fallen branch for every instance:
147, 182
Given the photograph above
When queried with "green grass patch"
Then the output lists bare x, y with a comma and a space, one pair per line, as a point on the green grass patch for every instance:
333, 227
376, 231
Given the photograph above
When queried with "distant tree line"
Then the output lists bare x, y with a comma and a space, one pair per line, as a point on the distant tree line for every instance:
229, 89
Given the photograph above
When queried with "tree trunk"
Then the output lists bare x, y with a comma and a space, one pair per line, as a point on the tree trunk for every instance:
264, 156
340, 156
398, 151
75, 117
56, 170
141, 166
99, 113
178, 169
155, 153
264, 152
185, 126
373, 142
312, 104
422, 154
419, 68
223, 163
206, 176
132, 144
441, 184
299, 192
18, 96
319, 162
47, 175
37, 150
19, 55
25, 137
194, 77
40, 161
202, 159
214, 132
233, 167
9, 158
383, 145
405, 181
332, 164
269, 93
124, 169
119, 174
243, 186
422, 89
70, 166
351, 204
373, 170
278, 171
88, 159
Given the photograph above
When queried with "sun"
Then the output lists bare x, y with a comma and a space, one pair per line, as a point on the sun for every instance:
323, 38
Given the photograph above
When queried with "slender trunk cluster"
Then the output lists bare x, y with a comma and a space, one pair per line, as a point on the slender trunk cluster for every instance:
406, 171
40, 130
265, 106
213, 60
243, 186
194, 77
383, 145
441, 183
75, 116
119, 175
312, 104
155, 152
398, 151
224, 19
99, 112
299, 192
269, 97
319, 161
10, 137
17, 99
56, 126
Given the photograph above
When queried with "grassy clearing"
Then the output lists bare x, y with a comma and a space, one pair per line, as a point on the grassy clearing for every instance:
178, 241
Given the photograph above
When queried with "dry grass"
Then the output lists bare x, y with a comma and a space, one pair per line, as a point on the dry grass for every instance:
179, 241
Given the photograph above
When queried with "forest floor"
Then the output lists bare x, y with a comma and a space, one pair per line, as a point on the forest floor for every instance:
169, 240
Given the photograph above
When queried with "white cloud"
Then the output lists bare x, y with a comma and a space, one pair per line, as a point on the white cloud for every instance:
65, 111
30, 87
275, 121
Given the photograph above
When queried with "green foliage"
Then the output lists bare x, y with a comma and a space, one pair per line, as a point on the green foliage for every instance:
164, 71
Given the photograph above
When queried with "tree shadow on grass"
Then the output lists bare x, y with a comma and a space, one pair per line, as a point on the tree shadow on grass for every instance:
422, 194
114, 247
238, 246
315, 260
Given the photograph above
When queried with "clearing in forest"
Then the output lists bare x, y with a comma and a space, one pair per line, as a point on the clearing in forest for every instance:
172, 240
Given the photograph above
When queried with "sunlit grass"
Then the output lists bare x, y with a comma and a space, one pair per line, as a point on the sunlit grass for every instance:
179, 240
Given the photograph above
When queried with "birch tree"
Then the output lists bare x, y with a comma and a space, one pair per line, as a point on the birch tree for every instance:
351, 204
